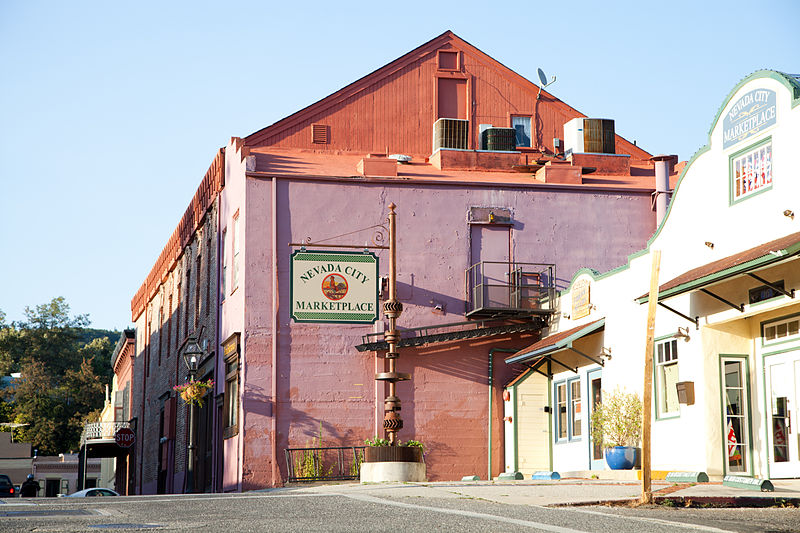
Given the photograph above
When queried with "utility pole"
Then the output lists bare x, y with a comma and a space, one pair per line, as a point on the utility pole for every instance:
647, 494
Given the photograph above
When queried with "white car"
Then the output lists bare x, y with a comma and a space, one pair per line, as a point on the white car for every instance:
86, 493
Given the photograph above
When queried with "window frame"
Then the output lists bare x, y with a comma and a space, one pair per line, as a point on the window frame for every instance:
569, 405
659, 379
746, 414
530, 129
235, 238
231, 392
788, 338
752, 148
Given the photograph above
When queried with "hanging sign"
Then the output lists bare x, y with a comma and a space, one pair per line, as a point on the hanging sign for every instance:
332, 286
755, 111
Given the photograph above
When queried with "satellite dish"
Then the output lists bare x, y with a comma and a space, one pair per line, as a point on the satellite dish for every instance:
544, 81
542, 77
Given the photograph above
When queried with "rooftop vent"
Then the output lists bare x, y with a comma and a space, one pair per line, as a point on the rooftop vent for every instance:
450, 133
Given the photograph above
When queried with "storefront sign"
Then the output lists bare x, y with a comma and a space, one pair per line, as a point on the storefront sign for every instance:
329, 286
750, 114
580, 299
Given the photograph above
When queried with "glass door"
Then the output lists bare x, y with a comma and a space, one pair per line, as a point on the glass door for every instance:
595, 396
783, 395
736, 415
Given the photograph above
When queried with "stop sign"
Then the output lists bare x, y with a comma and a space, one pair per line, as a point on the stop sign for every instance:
124, 437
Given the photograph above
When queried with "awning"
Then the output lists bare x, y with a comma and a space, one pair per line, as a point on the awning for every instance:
738, 264
545, 349
437, 333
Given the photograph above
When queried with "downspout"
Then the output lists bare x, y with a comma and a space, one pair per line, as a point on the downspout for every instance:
491, 384
275, 317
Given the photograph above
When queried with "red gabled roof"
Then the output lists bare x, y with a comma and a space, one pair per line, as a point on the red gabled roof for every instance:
367, 99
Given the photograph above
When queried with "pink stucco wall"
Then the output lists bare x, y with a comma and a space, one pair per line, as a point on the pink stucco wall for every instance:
324, 386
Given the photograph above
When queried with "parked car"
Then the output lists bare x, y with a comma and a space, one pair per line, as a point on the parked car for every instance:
88, 493
7, 489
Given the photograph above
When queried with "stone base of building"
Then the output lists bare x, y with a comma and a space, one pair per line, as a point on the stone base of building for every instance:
392, 471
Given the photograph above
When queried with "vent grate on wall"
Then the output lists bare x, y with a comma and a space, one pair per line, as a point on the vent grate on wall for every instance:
319, 134
450, 133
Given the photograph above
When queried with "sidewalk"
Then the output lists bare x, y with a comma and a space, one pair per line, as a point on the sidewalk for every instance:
571, 492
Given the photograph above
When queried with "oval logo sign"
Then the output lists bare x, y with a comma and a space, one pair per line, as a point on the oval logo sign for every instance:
124, 437
334, 287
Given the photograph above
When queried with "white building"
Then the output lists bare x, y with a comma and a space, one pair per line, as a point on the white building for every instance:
726, 325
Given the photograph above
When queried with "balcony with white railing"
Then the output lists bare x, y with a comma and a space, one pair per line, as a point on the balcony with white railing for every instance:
101, 431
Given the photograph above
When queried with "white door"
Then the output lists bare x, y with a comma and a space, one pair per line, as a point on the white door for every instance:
783, 398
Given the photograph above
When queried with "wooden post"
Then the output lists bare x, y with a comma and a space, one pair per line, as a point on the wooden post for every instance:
647, 495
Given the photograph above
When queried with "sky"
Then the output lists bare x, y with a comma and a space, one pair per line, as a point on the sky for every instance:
111, 112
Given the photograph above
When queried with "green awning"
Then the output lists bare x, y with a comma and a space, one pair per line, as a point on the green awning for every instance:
755, 258
555, 343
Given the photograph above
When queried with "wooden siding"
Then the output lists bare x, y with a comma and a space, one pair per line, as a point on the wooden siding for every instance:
393, 109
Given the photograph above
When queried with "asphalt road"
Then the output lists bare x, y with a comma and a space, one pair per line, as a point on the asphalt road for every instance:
283, 510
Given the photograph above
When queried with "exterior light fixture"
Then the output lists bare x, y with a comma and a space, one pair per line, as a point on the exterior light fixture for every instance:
565, 315
682, 333
605, 353
192, 354
789, 213
709, 244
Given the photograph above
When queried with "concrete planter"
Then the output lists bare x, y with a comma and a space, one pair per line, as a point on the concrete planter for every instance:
392, 463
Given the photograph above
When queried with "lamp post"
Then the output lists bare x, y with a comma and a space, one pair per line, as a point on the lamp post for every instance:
191, 355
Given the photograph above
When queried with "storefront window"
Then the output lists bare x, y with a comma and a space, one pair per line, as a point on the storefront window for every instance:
568, 409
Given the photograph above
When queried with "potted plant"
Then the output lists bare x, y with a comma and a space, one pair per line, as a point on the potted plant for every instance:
379, 450
617, 425
192, 392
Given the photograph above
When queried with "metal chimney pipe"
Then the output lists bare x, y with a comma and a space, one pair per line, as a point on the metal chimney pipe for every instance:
663, 194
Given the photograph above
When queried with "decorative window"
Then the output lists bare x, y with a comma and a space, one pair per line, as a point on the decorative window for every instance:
751, 171
737, 433
765, 292
188, 297
666, 367
448, 60
235, 245
522, 127
782, 330
568, 410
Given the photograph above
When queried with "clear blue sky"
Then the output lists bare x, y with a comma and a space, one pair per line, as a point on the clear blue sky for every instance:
111, 112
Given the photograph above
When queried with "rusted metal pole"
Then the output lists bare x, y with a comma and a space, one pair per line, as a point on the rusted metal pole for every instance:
647, 494
392, 308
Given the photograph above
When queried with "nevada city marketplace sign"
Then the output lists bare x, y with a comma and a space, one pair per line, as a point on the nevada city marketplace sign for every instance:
754, 112
332, 286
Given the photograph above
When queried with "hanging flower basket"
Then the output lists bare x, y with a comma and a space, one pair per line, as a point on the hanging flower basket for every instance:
192, 392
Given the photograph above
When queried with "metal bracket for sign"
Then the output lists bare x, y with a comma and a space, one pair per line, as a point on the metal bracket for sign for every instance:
773, 286
349, 246
739, 307
377, 237
695, 320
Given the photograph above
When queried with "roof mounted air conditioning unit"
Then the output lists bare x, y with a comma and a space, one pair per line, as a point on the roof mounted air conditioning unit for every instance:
499, 139
450, 133
589, 135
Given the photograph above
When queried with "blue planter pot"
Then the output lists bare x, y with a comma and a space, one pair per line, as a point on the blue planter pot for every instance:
621, 457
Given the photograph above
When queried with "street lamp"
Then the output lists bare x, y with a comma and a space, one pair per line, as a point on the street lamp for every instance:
191, 355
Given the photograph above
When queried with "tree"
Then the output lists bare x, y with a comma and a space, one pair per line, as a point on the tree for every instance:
63, 365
